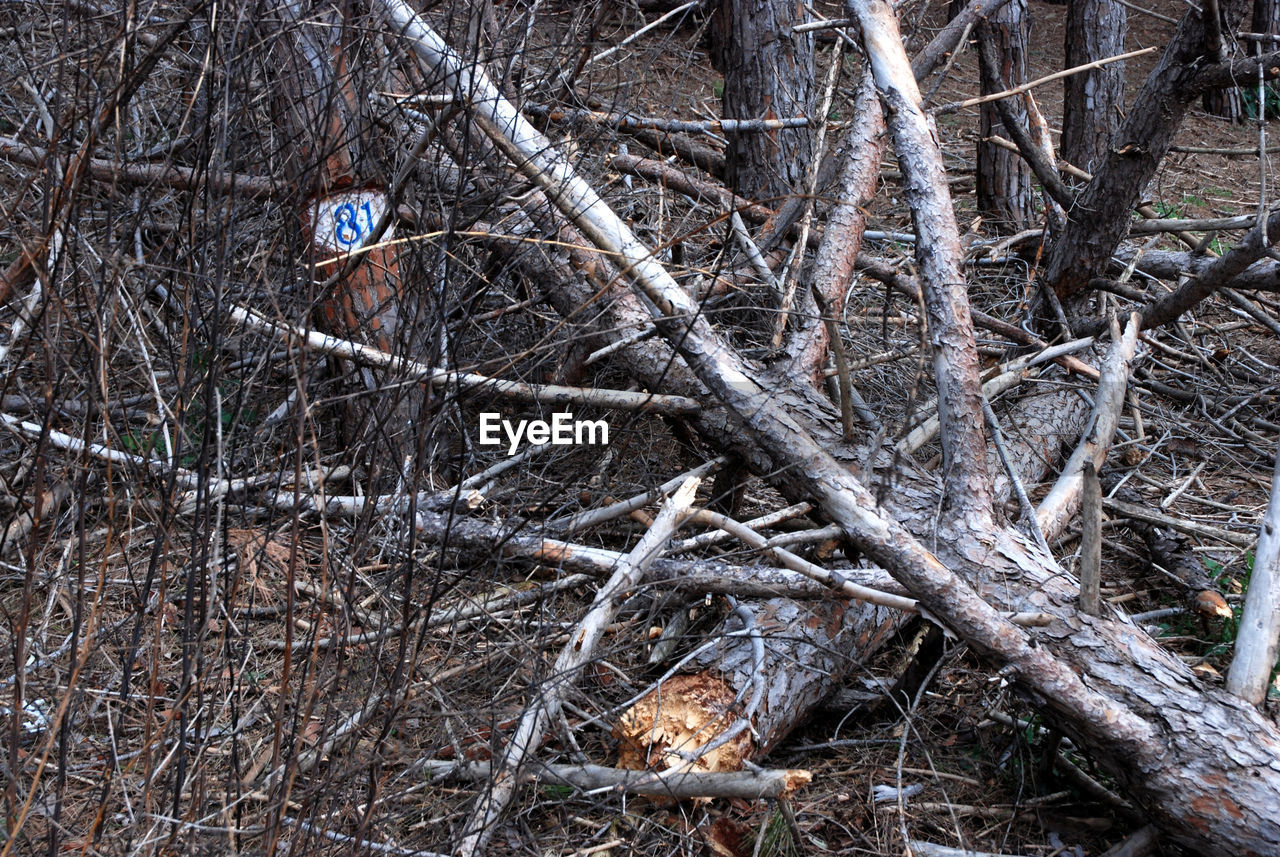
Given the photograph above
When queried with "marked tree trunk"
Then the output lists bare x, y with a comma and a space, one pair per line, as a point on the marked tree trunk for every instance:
1093, 101
346, 213
1004, 180
768, 74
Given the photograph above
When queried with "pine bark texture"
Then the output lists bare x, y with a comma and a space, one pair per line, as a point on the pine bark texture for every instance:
768, 74
1004, 181
1092, 101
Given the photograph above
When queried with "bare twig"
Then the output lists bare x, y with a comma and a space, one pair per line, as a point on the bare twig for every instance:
1041, 81
412, 370
550, 696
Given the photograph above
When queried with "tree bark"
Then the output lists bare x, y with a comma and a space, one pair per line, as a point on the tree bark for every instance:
768, 74
346, 216
1101, 215
1004, 181
1093, 101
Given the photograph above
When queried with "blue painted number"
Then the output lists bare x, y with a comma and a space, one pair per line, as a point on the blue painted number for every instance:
350, 225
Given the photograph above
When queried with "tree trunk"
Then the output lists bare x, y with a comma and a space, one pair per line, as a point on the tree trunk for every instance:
1093, 101
1266, 17
1229, 103
768, 74
1103, 211
1004, 181
344, 210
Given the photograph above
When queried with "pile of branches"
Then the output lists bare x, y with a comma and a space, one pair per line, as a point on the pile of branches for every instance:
322, 278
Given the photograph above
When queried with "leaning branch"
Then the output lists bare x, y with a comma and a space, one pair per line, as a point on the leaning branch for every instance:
1064, 498
940, 258
411, 370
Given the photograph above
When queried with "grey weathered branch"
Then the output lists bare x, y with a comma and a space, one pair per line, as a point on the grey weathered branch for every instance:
553, 394
1063, 499
1259, 637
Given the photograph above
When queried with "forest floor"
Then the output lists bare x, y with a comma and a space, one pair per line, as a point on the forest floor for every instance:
265, 675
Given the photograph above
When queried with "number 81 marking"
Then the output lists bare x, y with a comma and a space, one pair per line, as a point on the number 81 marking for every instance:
350, 224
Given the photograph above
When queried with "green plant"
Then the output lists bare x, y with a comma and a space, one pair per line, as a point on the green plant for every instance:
1270, 101
776, 839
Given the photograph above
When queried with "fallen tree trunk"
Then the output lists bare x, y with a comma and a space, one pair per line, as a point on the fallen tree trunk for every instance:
1204, 763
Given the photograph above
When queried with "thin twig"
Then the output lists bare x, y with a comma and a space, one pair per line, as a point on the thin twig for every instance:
1040, 81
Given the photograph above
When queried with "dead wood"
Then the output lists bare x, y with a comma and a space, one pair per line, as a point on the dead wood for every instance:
948, 38
1218, 274
146, 175
1063, 499
548, 699
680, 785
939, 257
1170, 551
1113, 689
1259, 637
859, 154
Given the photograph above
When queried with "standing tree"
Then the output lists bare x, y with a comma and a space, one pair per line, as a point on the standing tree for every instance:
1004, 181
768, 74
1092, 101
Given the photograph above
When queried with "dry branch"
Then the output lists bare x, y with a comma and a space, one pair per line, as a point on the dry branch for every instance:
676, 785
552, 394
1139, 709
1063, 499
1259, 636
146, 175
